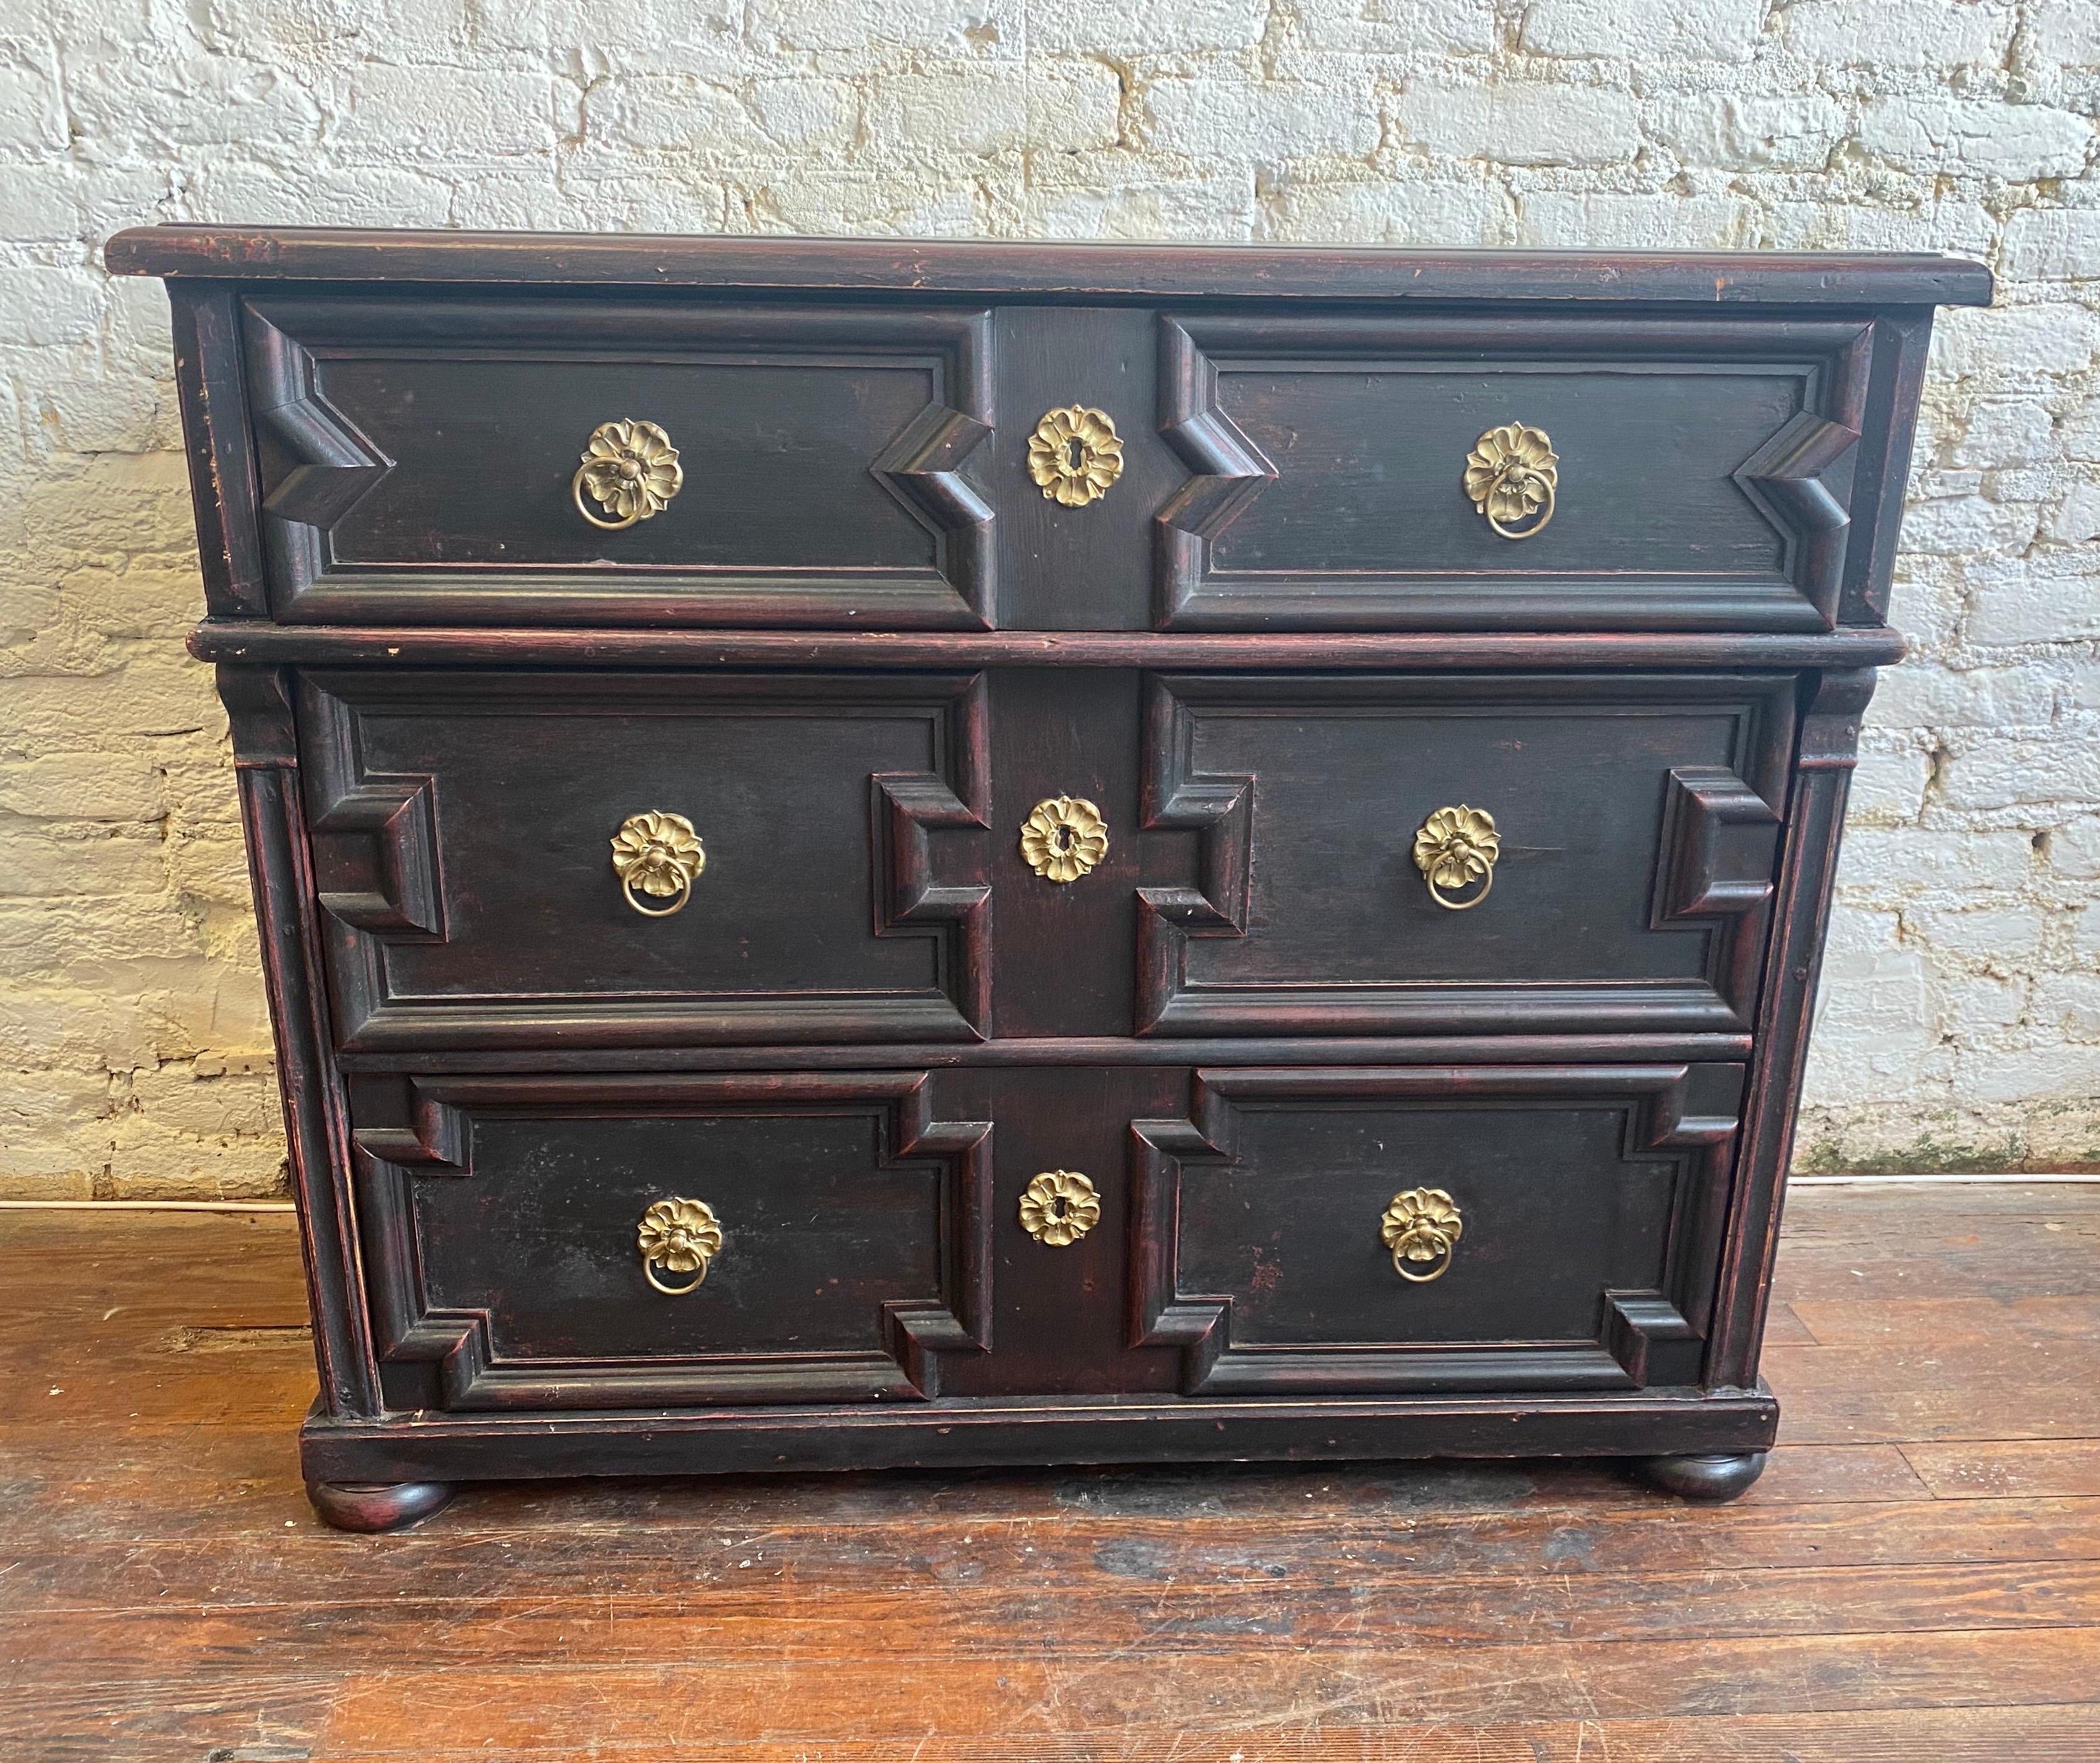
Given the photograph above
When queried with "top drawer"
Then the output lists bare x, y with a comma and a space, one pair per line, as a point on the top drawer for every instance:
426, 459
431, 460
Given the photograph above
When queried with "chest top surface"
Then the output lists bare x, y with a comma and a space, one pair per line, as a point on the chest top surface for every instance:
1076, 270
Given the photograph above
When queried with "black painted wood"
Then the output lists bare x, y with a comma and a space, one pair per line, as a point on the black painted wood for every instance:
1590, 1201
1706, 470
372, 1506
856, 650
419, 464
1084, 568
1707, 1477
501, 1217
233, 640
1008, 268
1049, 1430
462, 828
1601, 915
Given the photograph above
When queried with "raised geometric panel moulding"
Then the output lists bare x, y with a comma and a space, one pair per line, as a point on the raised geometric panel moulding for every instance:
921, 468
385, 1162
1799, 479
337, 467
1646, 1333
398, 817
905, 809
382, 828
923, 1332
1785, 482
1230, 471
1709, 867
1219, 808
333, 466
318, 465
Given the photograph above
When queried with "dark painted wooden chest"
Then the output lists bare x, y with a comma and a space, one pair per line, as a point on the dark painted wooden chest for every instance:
879, 854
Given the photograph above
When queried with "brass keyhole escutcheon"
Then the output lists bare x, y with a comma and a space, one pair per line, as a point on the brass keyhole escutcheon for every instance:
631, 470
660, 854
1075, 455
1455, 848
1422, 1226
1059, 1207
1063, 837
682, 1236
1513, 476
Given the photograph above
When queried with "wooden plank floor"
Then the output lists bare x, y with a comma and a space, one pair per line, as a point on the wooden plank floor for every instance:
1917, 1578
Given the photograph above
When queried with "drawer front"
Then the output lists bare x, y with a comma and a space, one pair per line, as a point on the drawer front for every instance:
595, 1242
423, 463
1603, 851
1426, 1230
817, 882
1686, 473
574, 1241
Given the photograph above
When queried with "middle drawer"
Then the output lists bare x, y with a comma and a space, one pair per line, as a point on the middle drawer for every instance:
506, 859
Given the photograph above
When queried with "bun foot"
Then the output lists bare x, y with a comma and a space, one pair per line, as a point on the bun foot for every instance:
378, 1506
1720, 1476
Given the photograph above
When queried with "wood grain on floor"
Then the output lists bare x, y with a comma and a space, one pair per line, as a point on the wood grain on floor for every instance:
1917, 1577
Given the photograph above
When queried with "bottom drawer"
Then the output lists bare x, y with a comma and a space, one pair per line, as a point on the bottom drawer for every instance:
680, 1240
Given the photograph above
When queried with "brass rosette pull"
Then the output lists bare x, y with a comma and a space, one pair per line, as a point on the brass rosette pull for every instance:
1059, 1207
659, 854
1422, 1226
1455, 848
1075, 455
631, 470
682, 1236
1513, 476
1063, 837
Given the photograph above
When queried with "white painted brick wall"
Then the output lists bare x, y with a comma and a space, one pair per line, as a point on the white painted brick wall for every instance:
1961, 1020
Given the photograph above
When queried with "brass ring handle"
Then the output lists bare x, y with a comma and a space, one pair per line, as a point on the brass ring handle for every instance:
1538, 527
1455, 848
630, 469
683, 891
682, 1236
1422, 1225
1059, 1207
693, 1285
577, 492
1444, 1266
1461, 906
1513, 476
661, 855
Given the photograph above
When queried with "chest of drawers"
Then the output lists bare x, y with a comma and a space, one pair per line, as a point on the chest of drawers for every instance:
877, 853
